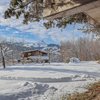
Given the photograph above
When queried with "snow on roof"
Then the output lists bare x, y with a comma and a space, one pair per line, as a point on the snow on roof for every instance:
34, 51
62, 5
89, 7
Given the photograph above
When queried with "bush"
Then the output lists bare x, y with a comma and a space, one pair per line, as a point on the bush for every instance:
74, 60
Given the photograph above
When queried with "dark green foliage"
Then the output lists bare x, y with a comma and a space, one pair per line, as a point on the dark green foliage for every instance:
88, 28
63, 22
32, 10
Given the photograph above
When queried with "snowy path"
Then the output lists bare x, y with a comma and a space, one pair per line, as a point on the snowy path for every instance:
57, 78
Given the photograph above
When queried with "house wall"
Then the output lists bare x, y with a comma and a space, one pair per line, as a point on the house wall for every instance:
34, 53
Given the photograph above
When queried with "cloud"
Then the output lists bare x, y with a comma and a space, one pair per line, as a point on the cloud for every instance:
35, 30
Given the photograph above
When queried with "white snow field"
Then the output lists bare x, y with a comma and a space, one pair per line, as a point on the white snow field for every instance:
46, 81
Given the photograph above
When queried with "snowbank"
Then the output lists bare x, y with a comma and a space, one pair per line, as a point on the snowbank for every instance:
74, 60
28, 91
46, 82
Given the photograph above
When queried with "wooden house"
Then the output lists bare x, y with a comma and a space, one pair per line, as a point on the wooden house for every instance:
35, 56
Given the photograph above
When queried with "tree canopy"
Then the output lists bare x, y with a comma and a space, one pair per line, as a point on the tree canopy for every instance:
32, 10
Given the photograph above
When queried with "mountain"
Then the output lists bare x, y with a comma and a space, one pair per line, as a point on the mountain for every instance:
19, 47
53, 45
41, 45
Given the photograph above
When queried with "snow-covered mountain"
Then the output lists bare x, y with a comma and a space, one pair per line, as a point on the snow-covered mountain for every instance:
41, 45
20, 46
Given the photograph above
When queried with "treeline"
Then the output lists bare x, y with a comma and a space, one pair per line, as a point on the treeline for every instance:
84, 48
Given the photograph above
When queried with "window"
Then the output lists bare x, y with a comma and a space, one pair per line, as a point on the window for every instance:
29, 54
44, 54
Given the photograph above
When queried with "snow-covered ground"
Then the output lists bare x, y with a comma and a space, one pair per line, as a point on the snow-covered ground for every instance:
46, 81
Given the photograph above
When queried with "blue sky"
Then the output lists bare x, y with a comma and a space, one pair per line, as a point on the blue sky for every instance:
54, 35
14, 29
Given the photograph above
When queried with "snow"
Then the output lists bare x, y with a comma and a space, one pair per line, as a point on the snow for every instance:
74, 60
39, 57
46, 81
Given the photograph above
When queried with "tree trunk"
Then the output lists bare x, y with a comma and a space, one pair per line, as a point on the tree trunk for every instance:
3, 59
49, 54
3, 62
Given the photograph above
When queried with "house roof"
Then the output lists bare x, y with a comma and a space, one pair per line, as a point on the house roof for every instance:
70, 7
34, 51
